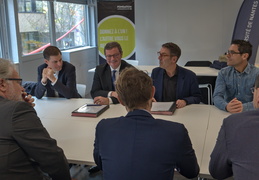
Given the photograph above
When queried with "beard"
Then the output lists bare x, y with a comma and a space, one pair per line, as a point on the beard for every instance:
14, 94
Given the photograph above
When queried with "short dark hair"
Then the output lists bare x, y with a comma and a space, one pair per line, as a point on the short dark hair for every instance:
173, 48
134, 88
51, 51
111, 45
243, 47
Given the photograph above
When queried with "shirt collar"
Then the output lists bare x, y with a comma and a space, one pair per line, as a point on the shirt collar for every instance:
117, 69
246, 70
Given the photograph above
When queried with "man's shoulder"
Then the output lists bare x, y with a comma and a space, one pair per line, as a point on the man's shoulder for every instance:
42, 66
124, 64
67, 65
243, 117
170, 124
11, 104
109, 121
185, 71
101, 67
253, 68
226, 70
157, 70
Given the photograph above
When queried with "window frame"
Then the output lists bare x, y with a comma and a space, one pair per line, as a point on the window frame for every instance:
4, 35
15, 37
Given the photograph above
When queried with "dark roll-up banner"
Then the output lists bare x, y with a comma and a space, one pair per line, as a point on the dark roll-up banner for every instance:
247, 26
116, 22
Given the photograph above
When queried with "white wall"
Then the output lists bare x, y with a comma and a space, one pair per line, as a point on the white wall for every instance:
202, 28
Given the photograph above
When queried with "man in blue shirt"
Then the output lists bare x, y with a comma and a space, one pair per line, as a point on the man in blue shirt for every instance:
232, 91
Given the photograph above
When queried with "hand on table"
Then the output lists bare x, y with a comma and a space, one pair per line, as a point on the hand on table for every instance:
180, 103
101, 100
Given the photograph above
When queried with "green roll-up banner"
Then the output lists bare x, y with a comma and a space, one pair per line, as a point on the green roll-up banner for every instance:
116, 22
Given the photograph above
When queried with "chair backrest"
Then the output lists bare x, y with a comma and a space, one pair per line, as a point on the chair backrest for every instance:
205, 82
199, 63
132, 62
81, 88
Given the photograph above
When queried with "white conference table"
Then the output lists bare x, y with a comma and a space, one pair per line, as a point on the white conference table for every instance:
215, 121
199, 71
75, 135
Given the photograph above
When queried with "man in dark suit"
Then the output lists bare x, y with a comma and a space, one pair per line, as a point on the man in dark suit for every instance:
138, 146
26, 149
56, 78
103, 91
236, 150
172, 82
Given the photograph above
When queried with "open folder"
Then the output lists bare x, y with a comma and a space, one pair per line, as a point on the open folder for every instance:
163, 108
90, 110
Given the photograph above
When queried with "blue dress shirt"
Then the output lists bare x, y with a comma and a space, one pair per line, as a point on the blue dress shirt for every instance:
230, 84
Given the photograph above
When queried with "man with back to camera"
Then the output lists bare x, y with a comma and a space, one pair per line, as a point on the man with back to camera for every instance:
26, 149
172, 82
103, 88
138, 146
56, 78
236, 150
232, 91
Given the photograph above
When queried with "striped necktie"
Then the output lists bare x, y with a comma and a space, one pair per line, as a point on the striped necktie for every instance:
113, 78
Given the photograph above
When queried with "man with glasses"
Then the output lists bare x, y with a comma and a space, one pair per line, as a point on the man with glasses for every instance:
172, 82
103, 88
26, 149
236, 150
232, 91
56, 78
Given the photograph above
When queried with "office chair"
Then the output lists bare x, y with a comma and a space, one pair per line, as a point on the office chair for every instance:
203, 82
198, 63
81, 88
132, 62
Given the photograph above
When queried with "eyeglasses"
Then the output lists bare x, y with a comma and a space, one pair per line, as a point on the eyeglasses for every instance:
232, 53
18, 80
252, 90
162, 55
114, 56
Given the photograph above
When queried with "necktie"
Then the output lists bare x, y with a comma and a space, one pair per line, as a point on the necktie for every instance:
113, 78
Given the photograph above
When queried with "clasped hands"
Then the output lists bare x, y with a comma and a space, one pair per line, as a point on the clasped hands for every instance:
234, 106
48, 73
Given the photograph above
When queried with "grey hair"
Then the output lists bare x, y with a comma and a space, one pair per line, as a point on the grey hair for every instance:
6, 68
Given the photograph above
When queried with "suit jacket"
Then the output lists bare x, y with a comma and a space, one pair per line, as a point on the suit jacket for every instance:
187, 85
237, 146
26, 148
102, 83
65, 85
139, 147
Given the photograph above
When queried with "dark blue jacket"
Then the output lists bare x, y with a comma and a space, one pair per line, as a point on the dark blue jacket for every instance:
187, 85
65, 85
138, 147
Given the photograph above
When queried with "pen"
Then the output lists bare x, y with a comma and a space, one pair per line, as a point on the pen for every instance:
93, 104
